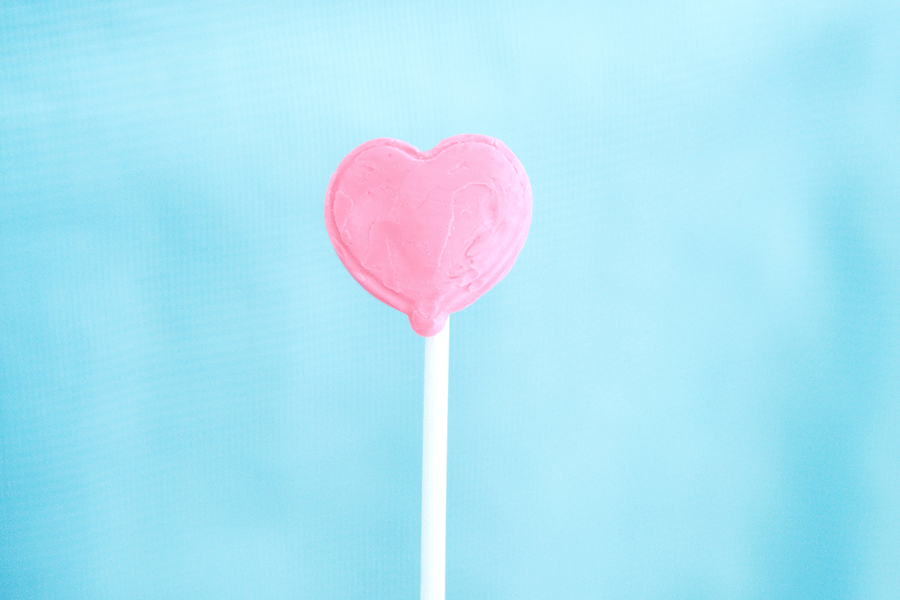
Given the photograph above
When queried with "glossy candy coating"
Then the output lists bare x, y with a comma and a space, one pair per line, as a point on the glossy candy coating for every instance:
429, 232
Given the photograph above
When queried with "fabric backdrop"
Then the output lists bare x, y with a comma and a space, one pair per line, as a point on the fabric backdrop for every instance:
688, 387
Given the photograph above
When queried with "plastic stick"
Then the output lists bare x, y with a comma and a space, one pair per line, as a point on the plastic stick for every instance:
434, 464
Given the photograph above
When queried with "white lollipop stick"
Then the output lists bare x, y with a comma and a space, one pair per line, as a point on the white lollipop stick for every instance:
434, 464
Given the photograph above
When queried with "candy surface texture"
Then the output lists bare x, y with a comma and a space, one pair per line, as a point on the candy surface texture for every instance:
429, 232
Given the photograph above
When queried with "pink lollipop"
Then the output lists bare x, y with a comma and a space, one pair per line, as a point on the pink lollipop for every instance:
429, 232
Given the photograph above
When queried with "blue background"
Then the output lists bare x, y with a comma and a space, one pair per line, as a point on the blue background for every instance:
688, 387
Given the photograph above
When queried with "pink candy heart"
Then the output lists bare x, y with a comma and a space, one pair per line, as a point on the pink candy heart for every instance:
429, 232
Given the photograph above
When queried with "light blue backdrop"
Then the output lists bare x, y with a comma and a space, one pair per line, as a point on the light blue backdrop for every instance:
687, 388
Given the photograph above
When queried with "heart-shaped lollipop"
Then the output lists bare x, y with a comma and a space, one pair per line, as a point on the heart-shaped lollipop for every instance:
429, 232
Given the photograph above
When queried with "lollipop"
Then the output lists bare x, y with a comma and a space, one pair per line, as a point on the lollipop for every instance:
428, 233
